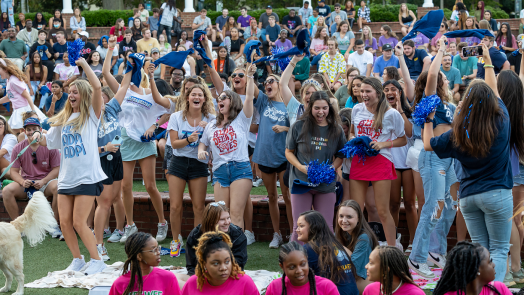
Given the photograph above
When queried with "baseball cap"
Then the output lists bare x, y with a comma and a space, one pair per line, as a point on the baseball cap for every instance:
84, 33
321, 1
155, 50
269, 7
387, 47
32, 121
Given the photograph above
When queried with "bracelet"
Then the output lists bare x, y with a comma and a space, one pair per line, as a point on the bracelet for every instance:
489, 66
293, 64
187, 138
402, 113
252, 77
112, 48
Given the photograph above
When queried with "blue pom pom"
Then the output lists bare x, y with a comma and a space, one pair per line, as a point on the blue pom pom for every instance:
74, 50
359, 146
320, 172
425, 107
282, 63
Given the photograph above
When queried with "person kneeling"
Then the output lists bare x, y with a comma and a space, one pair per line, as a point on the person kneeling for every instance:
39, 173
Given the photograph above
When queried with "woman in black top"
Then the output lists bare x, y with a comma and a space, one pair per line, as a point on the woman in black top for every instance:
39, 22
237, 48
20, 25
137, 29
4, 22
350, 11
58, 15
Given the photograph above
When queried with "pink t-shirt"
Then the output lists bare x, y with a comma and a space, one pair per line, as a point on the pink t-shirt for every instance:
435, 39
487, 291
318, 45
503, 41
407, 289
14, 89
243, 286
65, 72
46, 160
159, 280
324, 287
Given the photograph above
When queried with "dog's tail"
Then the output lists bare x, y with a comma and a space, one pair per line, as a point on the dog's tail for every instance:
37, 219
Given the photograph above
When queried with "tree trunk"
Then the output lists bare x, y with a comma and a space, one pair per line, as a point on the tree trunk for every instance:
113, 4
23, 5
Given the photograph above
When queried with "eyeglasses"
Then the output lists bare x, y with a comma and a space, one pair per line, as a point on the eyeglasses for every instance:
34, 158
215, 204
240, 75
270, 81
179, 75
222, 97
157, 249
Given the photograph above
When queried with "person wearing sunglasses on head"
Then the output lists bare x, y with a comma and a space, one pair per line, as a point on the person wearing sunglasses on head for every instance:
39, 167
216, 217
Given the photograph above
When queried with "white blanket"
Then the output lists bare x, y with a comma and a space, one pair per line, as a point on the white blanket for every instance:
72, 279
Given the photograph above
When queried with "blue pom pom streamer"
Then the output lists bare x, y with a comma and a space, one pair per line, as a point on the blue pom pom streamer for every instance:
359, 146
425, 107
318, 173
73, 50
284, 62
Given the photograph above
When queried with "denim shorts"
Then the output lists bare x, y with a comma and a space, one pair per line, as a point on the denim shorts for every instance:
229, 172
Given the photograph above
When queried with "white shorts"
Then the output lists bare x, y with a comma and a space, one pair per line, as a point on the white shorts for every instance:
413, 154
16, 122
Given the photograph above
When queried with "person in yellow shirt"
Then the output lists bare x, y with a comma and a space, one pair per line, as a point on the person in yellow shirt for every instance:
147, 43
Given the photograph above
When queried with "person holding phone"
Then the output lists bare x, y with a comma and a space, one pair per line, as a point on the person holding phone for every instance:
499, 59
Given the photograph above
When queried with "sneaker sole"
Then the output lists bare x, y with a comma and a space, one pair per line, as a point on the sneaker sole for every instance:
419, 272
109, 241
174, 256
518, 281
105, 258
433, 262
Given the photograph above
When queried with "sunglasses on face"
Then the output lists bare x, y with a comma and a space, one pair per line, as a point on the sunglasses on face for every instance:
222, 97
270, 81
240, 75
215, 204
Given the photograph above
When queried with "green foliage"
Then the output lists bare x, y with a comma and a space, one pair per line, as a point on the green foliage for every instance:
447, 13
497, 13
281, 12
32, 16
105, 18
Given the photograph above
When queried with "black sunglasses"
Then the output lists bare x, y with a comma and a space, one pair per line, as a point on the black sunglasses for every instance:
240, 75
222, 97
270, 81
34, 158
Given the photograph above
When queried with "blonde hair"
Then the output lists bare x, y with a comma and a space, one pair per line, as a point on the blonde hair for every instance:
207, 107
13, 70
86, 96
369, 36
145, 79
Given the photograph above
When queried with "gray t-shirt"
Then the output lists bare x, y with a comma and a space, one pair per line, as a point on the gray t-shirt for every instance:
177, 123
97, 69
153, 23
342, 95
343, 15
264, 19
204, 23
316, 148
343, 43
110, 127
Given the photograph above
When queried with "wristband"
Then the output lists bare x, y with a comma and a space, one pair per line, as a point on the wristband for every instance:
489, 66
252, 77
112, 48
187, 138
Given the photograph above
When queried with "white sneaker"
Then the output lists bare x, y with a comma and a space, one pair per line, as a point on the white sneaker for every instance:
181, 240
95, 266
398, 244
115, 237
437, 259
277, 241
258, 182
250, 237
102, 252
107, 233
162, 231
56, 233
421, 269
77, 264
128, 230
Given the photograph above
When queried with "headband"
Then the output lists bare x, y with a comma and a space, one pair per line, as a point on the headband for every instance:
312, 81
3, 63
215, 239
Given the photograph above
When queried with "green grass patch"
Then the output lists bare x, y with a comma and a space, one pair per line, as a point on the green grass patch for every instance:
163, 187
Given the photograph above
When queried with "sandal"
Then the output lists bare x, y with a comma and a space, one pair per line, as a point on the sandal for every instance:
408, 250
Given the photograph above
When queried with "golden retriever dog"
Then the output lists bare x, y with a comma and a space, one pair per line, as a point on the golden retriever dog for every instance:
37, 219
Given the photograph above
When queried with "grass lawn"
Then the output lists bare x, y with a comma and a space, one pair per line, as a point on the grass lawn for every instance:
54, 255
163, 187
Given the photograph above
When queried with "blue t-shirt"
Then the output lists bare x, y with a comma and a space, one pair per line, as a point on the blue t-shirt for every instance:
381, 64
324, 11
481, 174
453, 76
271, 146
42, 49
59, 104
60, 49
346, 286
111, 126
350, 103
443, 114
360, 256
498, 59
273, 32
416, 64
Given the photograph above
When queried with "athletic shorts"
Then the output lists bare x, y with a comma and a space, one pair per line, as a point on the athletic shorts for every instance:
113, 168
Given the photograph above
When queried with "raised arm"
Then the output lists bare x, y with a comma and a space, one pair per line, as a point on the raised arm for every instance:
409, 88
106, 69
489, 75
250, 90
157, 97
215, 77
97, 101
286, 76
121, 94
434, 69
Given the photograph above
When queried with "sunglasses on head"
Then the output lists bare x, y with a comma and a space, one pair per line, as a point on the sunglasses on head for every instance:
240, 75
215, 204
270, 81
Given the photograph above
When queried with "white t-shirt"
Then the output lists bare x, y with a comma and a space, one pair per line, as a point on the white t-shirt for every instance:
399, 155
65, 72
8, 143
103, 52
361, 61
392, 126
79, 159
229, 144
184, 129
139, 112
167, 15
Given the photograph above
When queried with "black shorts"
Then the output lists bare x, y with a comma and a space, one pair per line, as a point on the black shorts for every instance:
286, 175
250, 151
345, 176
271, 170
402, 169
112, 168
93, 189
187, 168
168, 154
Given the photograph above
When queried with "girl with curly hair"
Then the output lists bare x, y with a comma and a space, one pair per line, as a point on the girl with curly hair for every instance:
18, 93
217, 271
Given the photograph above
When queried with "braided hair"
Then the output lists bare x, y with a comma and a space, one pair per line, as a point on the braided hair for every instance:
393, 263
208, 243
461, 269
282, 255
134, 246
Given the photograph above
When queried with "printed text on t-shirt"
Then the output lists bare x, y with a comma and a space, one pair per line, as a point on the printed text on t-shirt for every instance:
72, 143
225, 140
365, 127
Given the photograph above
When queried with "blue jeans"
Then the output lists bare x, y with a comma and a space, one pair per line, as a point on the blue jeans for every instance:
488, 218
7, 6
227, 173
43, 100
161, 28
263, 34
117, 65
437, 177
27, 58
316, 59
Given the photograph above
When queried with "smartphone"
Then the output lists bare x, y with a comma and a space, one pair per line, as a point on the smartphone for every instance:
472, 51
117, 140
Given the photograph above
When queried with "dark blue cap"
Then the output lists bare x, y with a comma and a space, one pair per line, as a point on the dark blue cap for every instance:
32, 121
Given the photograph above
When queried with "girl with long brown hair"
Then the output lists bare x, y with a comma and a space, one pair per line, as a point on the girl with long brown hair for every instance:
319, 45
118, 30
36, 73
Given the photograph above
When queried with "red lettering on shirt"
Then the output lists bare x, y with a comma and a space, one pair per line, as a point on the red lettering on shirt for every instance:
225, 140
365, 127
